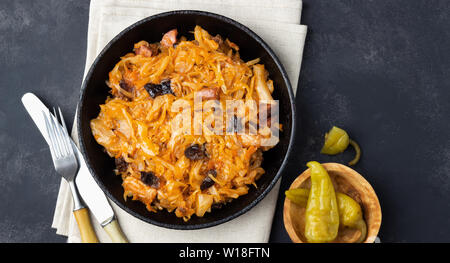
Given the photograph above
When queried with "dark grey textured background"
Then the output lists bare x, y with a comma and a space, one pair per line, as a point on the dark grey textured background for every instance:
379, 69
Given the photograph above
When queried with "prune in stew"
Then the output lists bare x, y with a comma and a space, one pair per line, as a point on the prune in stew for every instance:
125, 85
195, 152
121, 164
155, 90
208, 182
150, 179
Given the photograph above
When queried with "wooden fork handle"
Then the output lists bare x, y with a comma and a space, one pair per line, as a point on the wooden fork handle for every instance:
84, 225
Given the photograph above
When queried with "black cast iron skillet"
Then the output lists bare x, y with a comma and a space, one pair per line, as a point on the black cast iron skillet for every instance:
151, 29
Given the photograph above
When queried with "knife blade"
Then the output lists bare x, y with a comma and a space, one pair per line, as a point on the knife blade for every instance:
88, 188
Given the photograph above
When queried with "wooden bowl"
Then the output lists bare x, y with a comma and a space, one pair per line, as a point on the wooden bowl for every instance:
347, 181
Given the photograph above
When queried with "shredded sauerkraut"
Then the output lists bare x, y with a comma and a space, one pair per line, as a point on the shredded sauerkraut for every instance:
168, 167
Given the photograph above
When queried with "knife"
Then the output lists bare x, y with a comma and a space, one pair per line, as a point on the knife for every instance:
90, 192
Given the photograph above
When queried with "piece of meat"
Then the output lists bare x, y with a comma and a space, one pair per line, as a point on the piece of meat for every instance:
223, 45
147, 50
143, 51
218, 39
169, 38
208, 93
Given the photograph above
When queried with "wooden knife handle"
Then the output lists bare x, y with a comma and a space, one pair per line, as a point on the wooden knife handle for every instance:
114, 232
84, 225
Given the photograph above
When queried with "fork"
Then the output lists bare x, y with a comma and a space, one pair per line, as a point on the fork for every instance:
66, 165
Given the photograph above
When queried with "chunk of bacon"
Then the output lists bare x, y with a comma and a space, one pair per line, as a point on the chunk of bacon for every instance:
208, 93
169, 38
145, 49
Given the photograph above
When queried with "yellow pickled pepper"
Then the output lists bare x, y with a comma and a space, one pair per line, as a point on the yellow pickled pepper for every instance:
298, 196
350, 213
322, 216
336, 141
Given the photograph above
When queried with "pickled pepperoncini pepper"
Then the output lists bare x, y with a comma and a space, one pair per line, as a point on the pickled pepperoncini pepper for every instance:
322, 216
350, 213
337, 141
298, 196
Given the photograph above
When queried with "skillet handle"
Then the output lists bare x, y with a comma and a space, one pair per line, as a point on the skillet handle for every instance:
114, 232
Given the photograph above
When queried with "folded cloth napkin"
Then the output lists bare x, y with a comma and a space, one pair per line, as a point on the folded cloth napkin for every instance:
277, 22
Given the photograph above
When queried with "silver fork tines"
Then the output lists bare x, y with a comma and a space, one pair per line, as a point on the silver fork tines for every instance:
63, 156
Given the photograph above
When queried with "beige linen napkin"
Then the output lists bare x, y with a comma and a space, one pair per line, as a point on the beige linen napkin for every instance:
277, 22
